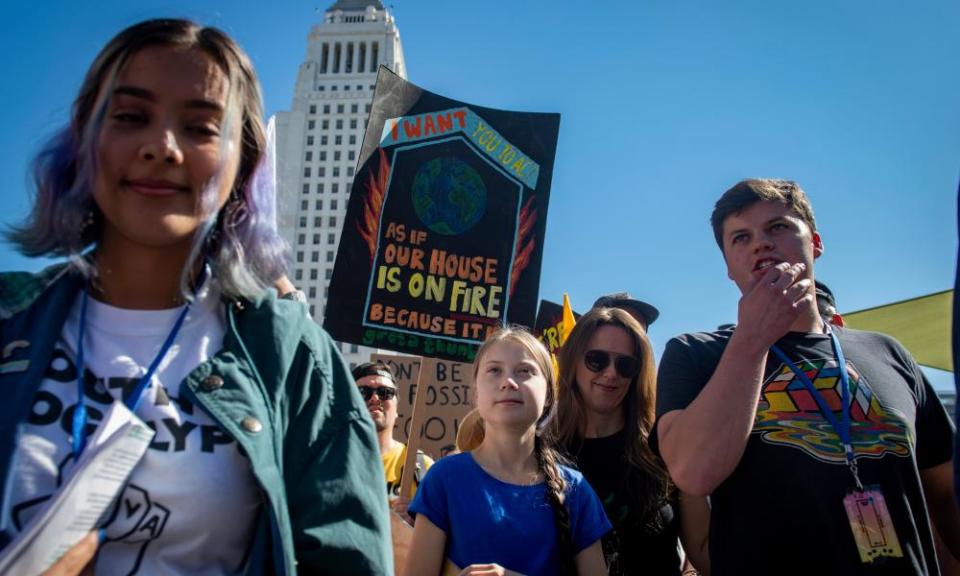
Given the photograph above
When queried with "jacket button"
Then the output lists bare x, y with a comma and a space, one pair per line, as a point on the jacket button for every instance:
211, 383
251, 424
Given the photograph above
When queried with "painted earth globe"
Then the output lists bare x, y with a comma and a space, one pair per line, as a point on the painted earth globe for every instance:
449, 196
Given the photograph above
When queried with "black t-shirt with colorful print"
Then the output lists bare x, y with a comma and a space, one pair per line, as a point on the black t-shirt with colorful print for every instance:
782, 511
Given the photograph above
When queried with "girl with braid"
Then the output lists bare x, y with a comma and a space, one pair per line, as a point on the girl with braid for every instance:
509, 506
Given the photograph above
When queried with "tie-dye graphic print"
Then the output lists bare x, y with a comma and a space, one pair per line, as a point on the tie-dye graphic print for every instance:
788, 414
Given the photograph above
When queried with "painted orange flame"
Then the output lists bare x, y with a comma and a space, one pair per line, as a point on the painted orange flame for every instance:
368, 225
525, 243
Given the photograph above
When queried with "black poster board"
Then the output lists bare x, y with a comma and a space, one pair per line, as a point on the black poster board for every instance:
444, 230
549, 324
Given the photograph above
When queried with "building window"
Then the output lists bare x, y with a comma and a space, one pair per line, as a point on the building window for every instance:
338, 140
314, 256
298, 274
308, 156
321, 171
317, 221
333, 204
336, 171
324, 124
313, 108
313, 310
323, 155
311, 125
331, 238
303, 221
323, 140
309, 140
353, 107
353, 138
301, 238
328, 273
299, 256
319, 205
306, 188
348, 65
306, 172
351, 155
362, 60
313, 273
334, 188
339, 108
349, 170
320, 188
329, 256
316, 238
326, 291
336, 58
353, 123
346, 87
336, 155
326, 108
333, 221
324, 58
340, 124
304, 204
333, 88
312, 292
321, 88
374, 56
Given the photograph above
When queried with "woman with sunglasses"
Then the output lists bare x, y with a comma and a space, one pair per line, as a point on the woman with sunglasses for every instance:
159, 194
606, 411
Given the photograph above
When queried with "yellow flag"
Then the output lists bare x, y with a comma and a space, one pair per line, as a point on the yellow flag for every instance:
568, 319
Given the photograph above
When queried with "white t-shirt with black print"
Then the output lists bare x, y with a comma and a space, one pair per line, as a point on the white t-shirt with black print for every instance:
191, 503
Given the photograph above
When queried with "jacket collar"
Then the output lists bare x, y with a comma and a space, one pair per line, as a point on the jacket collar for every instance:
19, 290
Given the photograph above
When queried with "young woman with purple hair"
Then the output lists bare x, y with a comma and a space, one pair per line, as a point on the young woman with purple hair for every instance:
159, 193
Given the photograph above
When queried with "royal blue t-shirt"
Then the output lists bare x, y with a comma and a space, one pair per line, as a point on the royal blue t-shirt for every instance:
490, 521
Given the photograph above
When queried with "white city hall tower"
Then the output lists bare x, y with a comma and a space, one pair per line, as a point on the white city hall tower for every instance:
319, 140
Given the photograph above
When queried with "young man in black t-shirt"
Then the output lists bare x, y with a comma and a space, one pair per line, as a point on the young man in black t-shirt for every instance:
753, 417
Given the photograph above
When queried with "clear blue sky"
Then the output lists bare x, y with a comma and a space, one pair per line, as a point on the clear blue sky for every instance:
664, 105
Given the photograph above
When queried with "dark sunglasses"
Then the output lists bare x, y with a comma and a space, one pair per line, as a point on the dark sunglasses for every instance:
383, 392
598, 360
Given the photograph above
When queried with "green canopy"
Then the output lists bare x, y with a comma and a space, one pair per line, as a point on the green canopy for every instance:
921, 324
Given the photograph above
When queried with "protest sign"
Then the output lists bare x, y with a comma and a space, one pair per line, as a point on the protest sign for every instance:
449, 396
549, 325
444, 230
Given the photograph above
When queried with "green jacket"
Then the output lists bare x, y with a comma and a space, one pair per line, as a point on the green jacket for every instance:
283, 393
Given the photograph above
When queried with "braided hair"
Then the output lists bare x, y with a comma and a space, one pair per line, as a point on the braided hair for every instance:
547, 461
548, 458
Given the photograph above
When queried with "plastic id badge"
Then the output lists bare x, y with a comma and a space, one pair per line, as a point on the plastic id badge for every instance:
872, 528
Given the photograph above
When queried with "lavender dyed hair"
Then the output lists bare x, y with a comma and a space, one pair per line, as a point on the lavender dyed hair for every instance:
240, 242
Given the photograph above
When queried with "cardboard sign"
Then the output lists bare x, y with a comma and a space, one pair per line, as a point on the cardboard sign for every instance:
444, 229
549, 324
449, 398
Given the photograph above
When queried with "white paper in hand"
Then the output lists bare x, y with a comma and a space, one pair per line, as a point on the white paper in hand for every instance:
112, 452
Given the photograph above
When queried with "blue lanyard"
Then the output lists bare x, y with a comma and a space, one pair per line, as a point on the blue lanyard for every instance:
133, 401
842, 427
